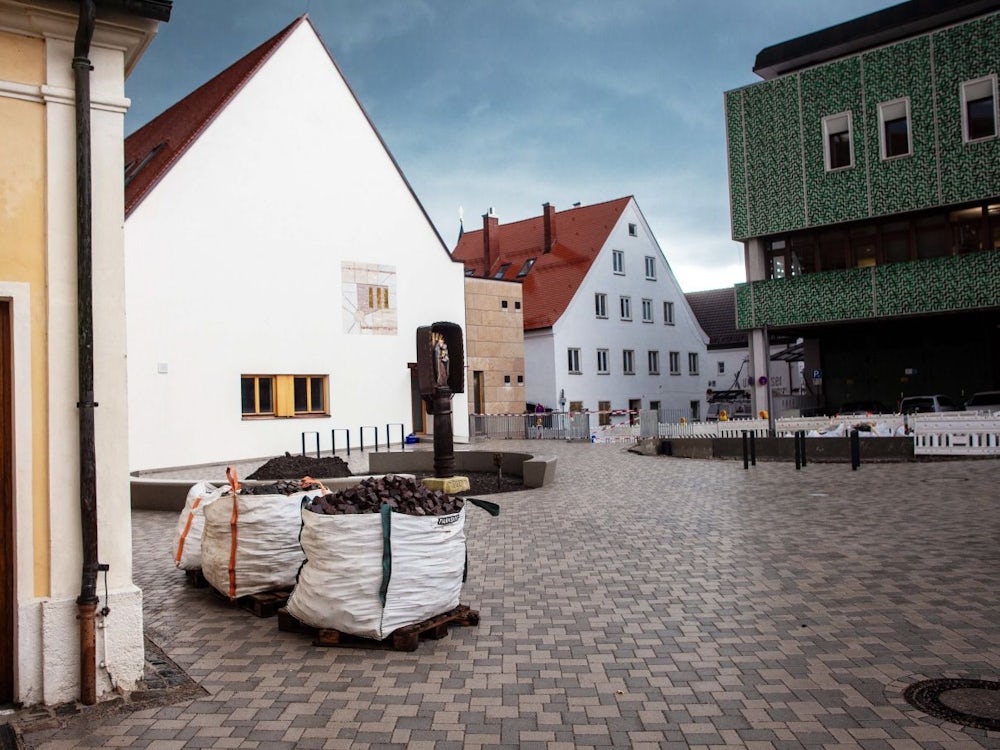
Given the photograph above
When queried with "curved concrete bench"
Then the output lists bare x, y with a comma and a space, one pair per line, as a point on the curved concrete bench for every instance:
535, 471
170, 494
538, 471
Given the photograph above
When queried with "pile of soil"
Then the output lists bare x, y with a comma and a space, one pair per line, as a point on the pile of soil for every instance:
296, 467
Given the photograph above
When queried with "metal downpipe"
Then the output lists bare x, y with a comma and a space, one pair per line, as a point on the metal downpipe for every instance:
87, 601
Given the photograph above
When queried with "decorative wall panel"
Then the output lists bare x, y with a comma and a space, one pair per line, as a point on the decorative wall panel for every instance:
737, 170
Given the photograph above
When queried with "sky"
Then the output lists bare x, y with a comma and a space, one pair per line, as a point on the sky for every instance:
515, 103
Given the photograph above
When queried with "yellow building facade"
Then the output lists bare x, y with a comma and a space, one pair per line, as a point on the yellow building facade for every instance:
40, 514
494, 336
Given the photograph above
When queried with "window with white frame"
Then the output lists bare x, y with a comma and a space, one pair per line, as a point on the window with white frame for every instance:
628, 361
602, 362
693, 363
601, 305
979, 109
653, 358
675, 363
573, 360
651, 268
894, 127
625, 307
722, 367
647, 311
668, 313
633, 230
618, 262
838, 147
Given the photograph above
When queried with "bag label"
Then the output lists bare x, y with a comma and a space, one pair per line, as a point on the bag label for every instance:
446, 520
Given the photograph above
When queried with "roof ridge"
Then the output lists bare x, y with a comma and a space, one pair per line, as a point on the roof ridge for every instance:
181, 124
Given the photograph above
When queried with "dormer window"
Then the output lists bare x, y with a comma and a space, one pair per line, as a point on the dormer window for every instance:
525, 268
501, 271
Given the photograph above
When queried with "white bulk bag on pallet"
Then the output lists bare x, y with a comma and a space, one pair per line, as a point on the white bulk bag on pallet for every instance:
251, 542
371, 574
191, 525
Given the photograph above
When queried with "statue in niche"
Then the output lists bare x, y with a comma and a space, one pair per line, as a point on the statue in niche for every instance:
440, 359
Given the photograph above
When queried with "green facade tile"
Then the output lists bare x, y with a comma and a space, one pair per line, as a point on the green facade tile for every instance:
949, 284
773, 156
737, 156
904, 183
840, 195
969, 171
777, 150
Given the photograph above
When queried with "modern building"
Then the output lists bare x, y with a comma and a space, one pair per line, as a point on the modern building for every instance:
278, 265
865, 185
70, 615
606, 326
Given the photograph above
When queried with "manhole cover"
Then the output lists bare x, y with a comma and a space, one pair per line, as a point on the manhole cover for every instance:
973, 703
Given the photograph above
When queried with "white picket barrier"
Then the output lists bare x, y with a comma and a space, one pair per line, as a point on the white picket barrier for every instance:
960, 435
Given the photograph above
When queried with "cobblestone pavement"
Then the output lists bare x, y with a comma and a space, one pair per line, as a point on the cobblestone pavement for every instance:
636, 602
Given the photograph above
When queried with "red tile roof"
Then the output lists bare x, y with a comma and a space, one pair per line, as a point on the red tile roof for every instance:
580, 233
153, 149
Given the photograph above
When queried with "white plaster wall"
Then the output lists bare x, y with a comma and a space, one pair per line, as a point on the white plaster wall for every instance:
234, 266
579, 327
540, 368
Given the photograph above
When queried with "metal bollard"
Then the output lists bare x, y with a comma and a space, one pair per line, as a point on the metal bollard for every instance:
798, 451
746, 450
803, 440
333, 436
753, 448
304, 442
855, 450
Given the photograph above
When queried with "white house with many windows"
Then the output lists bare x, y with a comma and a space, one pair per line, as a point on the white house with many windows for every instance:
277, 267
607, 327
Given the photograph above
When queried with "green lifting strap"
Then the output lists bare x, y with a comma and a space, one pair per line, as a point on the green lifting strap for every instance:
492, 508
386, 512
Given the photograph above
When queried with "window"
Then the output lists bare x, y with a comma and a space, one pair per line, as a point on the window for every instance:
506, 379
628, 361
625, 307
470, 271
979, 109
517, 305
668, 313
618, 262
520, 379
601, 305
503, 304
603, 413
602, 362
525, 268
894, 125
283, 395
257, 394
837, 146
651, 268
633, 230
722, 368
693, 363
675, 363
653, 357
501, 271
574, 361
647, 311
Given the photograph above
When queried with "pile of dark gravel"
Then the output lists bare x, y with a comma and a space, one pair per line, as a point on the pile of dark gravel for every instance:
402, 494
289, 467
281, 487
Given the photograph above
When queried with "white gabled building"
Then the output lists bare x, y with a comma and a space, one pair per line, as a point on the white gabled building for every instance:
607, 327
278, 265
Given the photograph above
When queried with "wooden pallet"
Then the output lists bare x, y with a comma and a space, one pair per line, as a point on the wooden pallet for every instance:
196, 578
403, 639
265, 603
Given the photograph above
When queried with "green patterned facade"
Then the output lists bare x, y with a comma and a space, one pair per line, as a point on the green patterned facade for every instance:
778, 180
948, 284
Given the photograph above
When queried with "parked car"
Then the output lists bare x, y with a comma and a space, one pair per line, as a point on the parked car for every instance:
984, 401
927, 404
862, 408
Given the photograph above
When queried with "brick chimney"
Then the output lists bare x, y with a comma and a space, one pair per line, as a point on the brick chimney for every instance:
549, 222
491, 239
